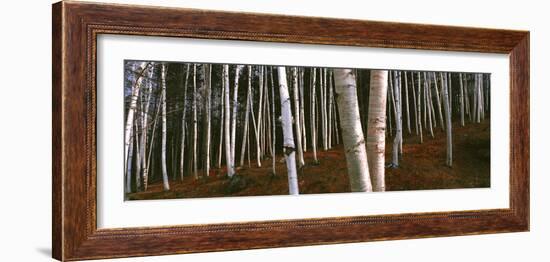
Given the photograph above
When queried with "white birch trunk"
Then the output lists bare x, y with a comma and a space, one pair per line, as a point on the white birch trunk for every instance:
207, 112
302, 111
429, 104
165, 183
438, 102
183, 123
330, 105
314, 117
132, 109
297, 121
407, 104
376, 128
398, 126
419, 107
234, 115
461, 99
195, 129
145, 127
288, 137
414, 104
128, 166
274, 138
222, 122
246, 116
137, 140
446, 105
352, 132
227, 138
259, 118
324, 109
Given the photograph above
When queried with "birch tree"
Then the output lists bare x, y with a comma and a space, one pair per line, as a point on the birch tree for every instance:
246, 116
297, 122
274, 137
183, 122
195, 129
228, 156
407, 103
207, 116
352, 132
461, 99
398, 123
259, 118
313, 116
165, 183
446, 105
438, 102
145, 125
419, 107
376, 128
288, 137
234, 116
132, 109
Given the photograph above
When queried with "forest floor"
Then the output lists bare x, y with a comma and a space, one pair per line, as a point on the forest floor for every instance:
422, 166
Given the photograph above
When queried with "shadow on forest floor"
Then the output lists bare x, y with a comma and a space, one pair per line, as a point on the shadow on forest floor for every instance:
422, 166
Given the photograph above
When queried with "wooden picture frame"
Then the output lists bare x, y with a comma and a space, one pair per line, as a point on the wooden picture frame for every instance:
76, 26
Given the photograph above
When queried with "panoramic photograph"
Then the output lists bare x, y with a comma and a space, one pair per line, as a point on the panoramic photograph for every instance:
202, 130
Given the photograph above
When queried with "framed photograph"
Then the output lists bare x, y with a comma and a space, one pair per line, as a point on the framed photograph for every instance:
182, 130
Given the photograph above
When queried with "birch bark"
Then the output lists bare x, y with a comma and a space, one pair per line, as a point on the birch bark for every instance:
376, 128
227, 138
165, 183
288, 138
352, 132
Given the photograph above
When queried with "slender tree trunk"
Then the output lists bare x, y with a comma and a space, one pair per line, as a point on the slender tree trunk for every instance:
475, 100
419, 107
314, 117
145, 126
234, 116
438, 102
352, 132
151, 143
407, 103
129, 165
376, 140
132, 109
274, 138
324, 108
302, 111
330, 105
446, 105
400, 105
414, 104
297, 121
336, 130
390, 108
228, 156
207, 118
429, 104
467, 98
138, 159
259, 118
246, 115
183, 123
398, 128
222, 122
461, 99
165, 183
195, 129
288, 138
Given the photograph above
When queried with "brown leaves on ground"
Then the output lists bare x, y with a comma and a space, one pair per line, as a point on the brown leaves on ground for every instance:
422, 166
